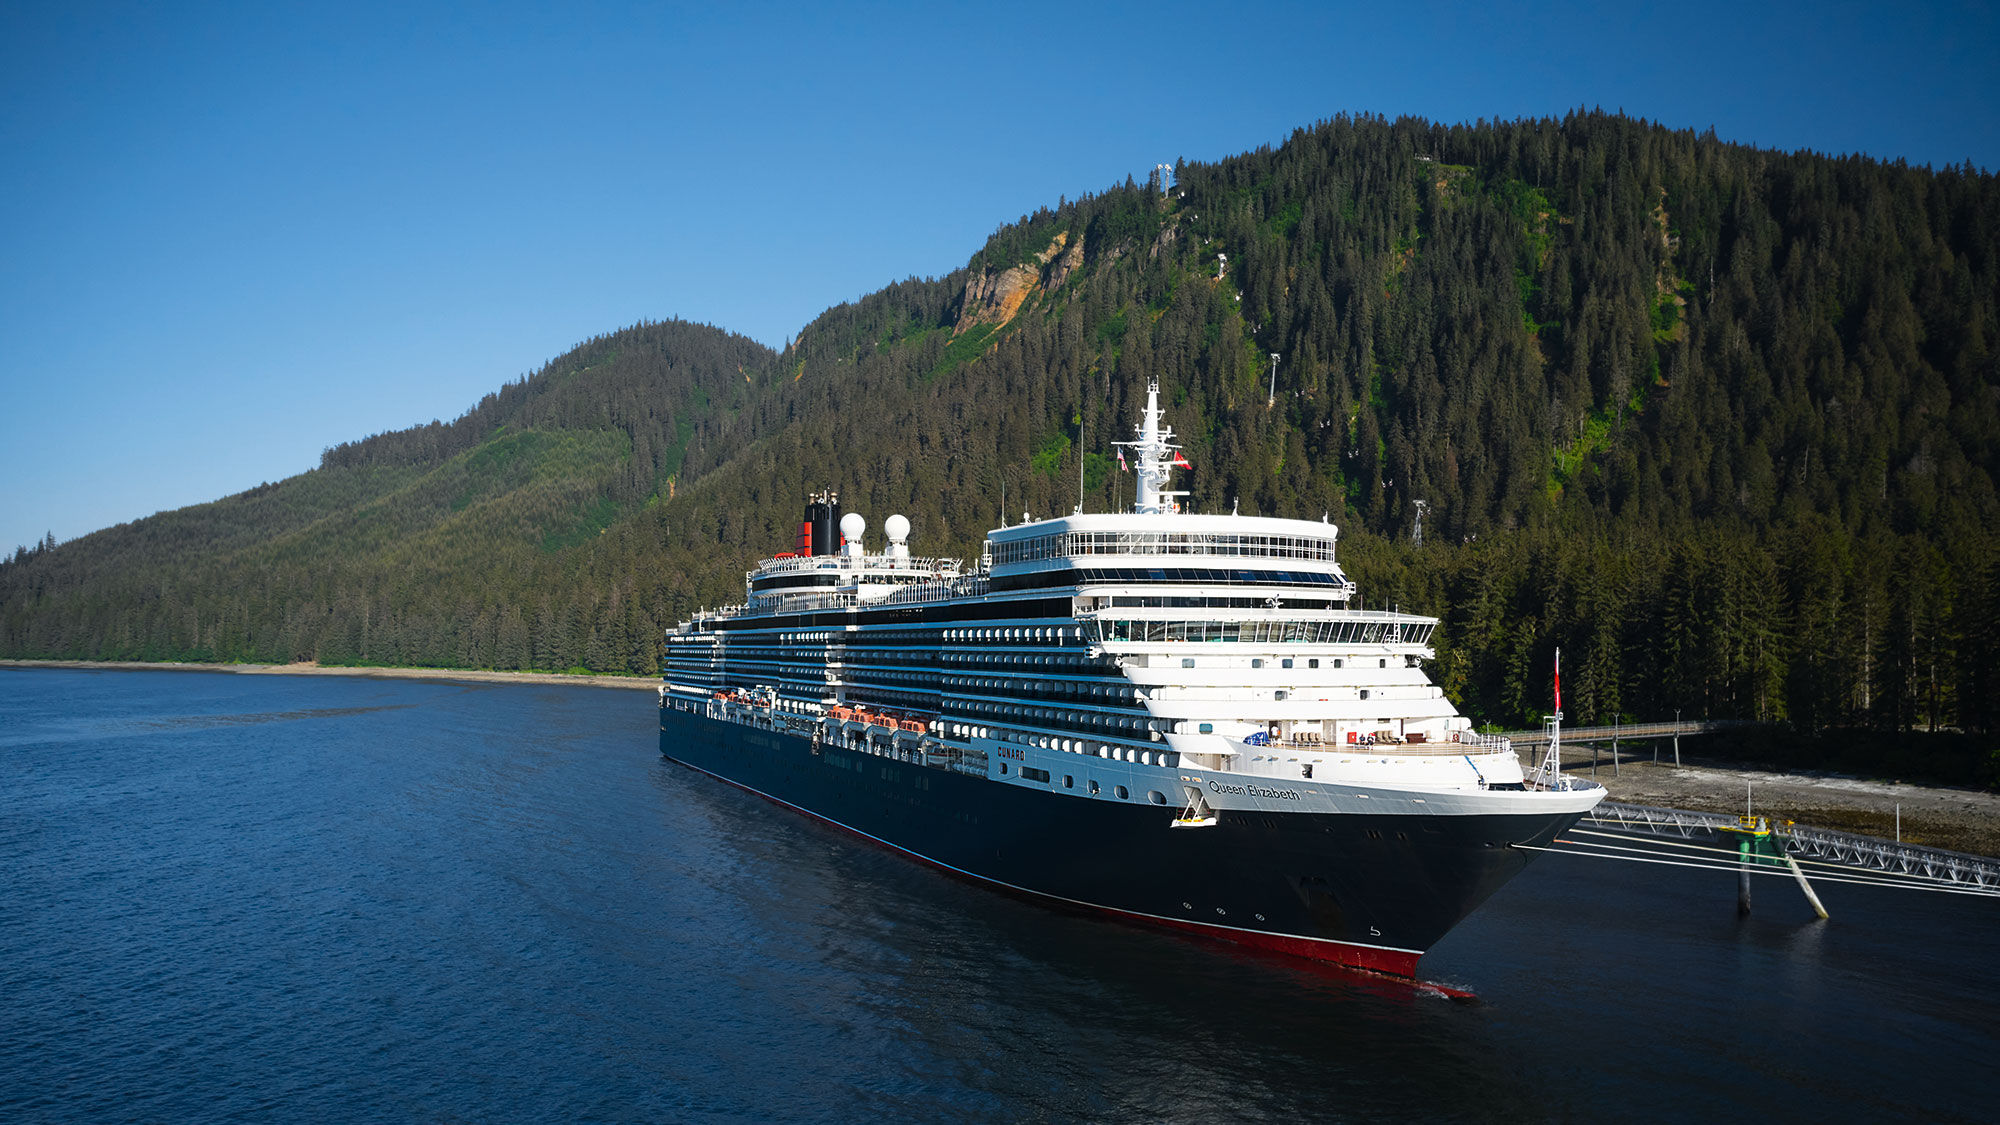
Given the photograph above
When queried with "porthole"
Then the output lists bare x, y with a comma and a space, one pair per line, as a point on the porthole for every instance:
1122, 792
1156, 797
1069, 782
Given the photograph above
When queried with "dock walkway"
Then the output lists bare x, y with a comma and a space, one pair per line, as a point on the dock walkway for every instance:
1805, 842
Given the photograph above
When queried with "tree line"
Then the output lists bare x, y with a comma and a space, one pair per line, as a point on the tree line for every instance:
1719, 421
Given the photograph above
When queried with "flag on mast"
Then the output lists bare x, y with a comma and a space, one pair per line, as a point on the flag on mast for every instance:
1180, 461
1121, 461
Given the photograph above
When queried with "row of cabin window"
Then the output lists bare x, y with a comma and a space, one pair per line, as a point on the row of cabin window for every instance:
1263, 632
1056, 633
1069, 782
1313, 662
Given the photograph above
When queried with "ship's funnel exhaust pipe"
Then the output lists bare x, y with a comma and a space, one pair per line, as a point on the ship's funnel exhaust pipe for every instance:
819, 534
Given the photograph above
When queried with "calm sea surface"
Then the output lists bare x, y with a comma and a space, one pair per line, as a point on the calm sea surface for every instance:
229, 897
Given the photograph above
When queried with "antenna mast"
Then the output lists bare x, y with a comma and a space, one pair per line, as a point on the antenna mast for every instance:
1551, 770
1156, 456
1079, 455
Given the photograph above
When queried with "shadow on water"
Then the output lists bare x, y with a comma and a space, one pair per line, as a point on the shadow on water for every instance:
199, 722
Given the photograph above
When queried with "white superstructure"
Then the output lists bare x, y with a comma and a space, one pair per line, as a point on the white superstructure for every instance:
1191, 660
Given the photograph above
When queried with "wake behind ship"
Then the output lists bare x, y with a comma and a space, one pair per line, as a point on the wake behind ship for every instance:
1175, 718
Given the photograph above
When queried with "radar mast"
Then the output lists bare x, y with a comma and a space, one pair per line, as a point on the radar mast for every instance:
1157, 457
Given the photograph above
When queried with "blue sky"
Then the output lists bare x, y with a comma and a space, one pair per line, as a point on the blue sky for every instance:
234, 234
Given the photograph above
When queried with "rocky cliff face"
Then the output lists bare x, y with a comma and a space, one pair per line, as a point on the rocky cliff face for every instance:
1065, 263
994, 296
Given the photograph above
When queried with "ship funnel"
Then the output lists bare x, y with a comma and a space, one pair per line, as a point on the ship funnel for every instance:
817, 534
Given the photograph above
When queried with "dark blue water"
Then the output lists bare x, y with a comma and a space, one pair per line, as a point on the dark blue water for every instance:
265, 898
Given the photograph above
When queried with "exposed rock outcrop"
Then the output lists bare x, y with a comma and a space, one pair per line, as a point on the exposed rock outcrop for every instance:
994, 296
1065, 264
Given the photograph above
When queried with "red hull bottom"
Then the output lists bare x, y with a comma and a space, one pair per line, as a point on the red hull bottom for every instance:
1374, 959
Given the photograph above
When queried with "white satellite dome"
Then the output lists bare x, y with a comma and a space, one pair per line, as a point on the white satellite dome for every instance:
851, 526
898, 530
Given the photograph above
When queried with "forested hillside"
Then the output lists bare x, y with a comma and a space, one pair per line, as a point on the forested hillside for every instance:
488, 542
1723, 423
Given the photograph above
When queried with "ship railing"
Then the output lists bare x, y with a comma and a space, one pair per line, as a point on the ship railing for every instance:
1490, 743
794, 603
954, 586
943, 567
1445, 748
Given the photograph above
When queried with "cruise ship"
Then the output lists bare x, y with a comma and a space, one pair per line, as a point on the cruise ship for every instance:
1179, 719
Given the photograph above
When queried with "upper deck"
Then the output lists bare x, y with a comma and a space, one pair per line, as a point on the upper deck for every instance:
1146, 535
1128, 548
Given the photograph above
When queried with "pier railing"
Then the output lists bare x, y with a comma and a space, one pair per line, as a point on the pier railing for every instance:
1628, 730
1807, 842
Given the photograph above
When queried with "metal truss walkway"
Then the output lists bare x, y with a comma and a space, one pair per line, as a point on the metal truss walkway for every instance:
1629, 730
1801, 841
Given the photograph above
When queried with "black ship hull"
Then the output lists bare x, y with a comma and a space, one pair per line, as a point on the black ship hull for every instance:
1372, 892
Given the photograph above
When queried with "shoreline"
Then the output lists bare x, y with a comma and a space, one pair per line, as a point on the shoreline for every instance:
1960, 820
1934, 816
645, 683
